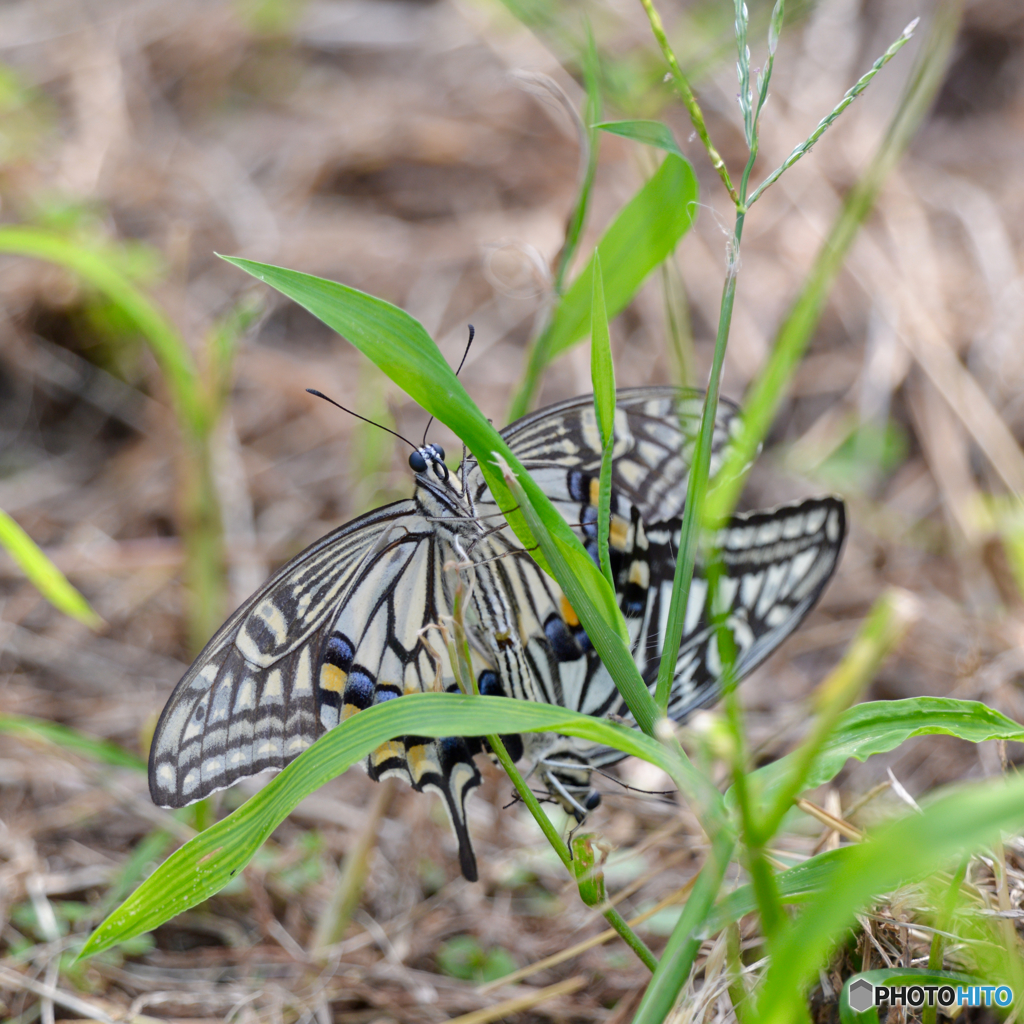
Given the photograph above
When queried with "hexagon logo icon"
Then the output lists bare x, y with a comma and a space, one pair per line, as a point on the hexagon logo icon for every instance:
860, 995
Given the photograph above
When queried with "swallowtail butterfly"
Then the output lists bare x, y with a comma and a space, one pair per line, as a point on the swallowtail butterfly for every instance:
354, 619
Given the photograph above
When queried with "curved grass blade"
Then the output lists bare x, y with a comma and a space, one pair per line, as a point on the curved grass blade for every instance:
208, 862
646, 230
92, 747
880, 726
651, 133
44, 575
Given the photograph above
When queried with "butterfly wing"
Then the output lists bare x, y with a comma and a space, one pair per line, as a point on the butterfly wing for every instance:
248, 702
655, 434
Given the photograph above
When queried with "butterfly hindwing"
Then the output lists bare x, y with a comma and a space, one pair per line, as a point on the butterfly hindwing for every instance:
388, 639
770, 568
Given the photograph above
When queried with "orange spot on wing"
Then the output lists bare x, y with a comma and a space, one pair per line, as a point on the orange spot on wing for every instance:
332, 678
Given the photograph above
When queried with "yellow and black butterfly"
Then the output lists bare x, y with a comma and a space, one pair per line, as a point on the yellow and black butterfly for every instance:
359, 617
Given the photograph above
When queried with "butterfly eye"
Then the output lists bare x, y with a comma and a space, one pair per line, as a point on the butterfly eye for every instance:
417, 462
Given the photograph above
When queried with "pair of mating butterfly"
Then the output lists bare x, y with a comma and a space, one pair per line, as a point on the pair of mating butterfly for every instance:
357, 618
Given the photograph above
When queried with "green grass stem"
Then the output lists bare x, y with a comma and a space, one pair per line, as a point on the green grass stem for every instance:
689, 100
685, 941
197, 408
795, 333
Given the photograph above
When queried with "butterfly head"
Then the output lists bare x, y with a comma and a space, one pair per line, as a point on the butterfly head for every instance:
430, 455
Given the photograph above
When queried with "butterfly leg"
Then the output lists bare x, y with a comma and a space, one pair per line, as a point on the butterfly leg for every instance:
570, 786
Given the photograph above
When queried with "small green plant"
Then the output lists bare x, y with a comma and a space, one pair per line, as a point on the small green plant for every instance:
463, 957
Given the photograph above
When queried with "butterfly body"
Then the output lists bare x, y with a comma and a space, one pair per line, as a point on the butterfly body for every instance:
369, 613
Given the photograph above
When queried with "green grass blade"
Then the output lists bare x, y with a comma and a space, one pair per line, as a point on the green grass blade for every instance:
168, 346
799, 884
880, 726
43, 574
92, 747
208, 862
795, 332
906, 849
646, 230
651, 133
684, 943
696, 492
602, 373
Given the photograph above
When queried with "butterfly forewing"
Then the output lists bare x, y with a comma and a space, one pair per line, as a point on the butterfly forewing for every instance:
248, 702
655, 431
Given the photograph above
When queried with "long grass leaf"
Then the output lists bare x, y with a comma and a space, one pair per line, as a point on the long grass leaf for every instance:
209, 861
602, 374
881, 726
44, 575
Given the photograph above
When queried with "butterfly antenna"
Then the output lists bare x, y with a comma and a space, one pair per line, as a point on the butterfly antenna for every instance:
373, 423
472, 334
462, 361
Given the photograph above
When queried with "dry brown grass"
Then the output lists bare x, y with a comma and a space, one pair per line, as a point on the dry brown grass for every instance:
389, 145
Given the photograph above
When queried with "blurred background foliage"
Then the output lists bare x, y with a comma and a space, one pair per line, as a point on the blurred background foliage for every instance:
167, 460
